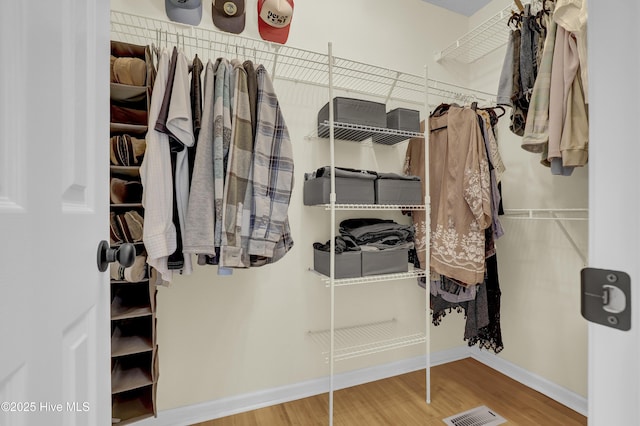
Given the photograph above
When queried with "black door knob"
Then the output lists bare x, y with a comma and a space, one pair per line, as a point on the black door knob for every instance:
125, 255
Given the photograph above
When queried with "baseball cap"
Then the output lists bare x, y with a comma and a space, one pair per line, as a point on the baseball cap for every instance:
228, 15
274, 19
184, 11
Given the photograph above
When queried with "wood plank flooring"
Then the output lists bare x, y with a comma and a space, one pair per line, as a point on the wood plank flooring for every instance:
455, 387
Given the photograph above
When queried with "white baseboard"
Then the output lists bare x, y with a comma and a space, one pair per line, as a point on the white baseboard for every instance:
556, 392
251, 401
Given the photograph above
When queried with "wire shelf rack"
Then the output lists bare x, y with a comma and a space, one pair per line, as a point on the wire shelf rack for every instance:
341, 282
289, 63
374, 206
367, 339
482, 40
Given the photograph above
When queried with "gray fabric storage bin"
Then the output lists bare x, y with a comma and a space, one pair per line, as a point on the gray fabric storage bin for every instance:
348, 263
348, 191
399, 119
384, 262
404, 119
398, 191
352, 111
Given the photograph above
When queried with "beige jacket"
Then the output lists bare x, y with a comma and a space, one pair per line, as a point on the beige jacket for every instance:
459, 189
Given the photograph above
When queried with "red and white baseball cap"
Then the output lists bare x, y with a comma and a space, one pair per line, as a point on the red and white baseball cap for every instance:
274, 19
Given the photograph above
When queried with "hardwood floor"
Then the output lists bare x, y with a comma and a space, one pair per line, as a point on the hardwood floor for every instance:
455, 387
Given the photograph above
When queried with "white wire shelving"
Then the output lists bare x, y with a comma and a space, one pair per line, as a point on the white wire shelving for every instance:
483, 39
367, 339
374, 207
289, 63
359, 132
480, 41
341, 282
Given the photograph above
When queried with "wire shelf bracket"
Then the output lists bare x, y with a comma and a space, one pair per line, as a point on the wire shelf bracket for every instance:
579, 215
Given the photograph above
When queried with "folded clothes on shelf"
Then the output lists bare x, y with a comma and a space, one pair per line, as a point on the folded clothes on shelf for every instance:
377, 234
342, 172
397, 176
342, 244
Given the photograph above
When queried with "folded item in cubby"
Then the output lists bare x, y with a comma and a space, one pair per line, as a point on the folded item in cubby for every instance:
131, 224
125, 191
120, 114
127, 150
128, 70
115, 234
134, 273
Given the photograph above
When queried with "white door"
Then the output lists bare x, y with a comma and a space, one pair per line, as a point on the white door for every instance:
54, 304
614, 202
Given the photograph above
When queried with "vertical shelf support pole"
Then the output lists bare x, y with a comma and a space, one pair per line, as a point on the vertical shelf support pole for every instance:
427, 222
332, 243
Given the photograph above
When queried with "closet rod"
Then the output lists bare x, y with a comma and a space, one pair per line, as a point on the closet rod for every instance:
292, 64
533, 214
530, 214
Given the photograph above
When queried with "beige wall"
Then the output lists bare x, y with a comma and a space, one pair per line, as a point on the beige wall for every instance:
225, 336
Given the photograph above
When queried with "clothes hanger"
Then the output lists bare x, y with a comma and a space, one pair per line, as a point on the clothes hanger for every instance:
440, 109
515, 19
493, 108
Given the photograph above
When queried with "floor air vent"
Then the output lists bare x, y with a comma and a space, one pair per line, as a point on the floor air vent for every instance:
481, 416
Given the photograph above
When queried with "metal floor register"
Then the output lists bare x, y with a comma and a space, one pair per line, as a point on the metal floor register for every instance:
481, 416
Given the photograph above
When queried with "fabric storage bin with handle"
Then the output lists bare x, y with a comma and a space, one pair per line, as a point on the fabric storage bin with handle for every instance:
352, 111
348, 264
399, 119
352, 186
392, 188
385, 261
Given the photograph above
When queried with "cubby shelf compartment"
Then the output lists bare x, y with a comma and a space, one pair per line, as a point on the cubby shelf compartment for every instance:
118, 311
127, 206
146, 280
340, 282
132, 406
129, 377
367, 339
132, 129
132, 336
130, 301
133, 171
130, 345
128, 93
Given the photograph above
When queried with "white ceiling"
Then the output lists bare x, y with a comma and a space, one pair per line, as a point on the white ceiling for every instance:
463, 7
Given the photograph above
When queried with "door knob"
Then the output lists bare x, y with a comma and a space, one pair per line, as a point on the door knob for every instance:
125, 255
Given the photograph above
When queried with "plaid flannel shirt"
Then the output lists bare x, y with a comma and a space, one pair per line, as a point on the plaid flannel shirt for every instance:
272, 179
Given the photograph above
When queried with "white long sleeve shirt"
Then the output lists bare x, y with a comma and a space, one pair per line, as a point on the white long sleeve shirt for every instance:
159, 233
